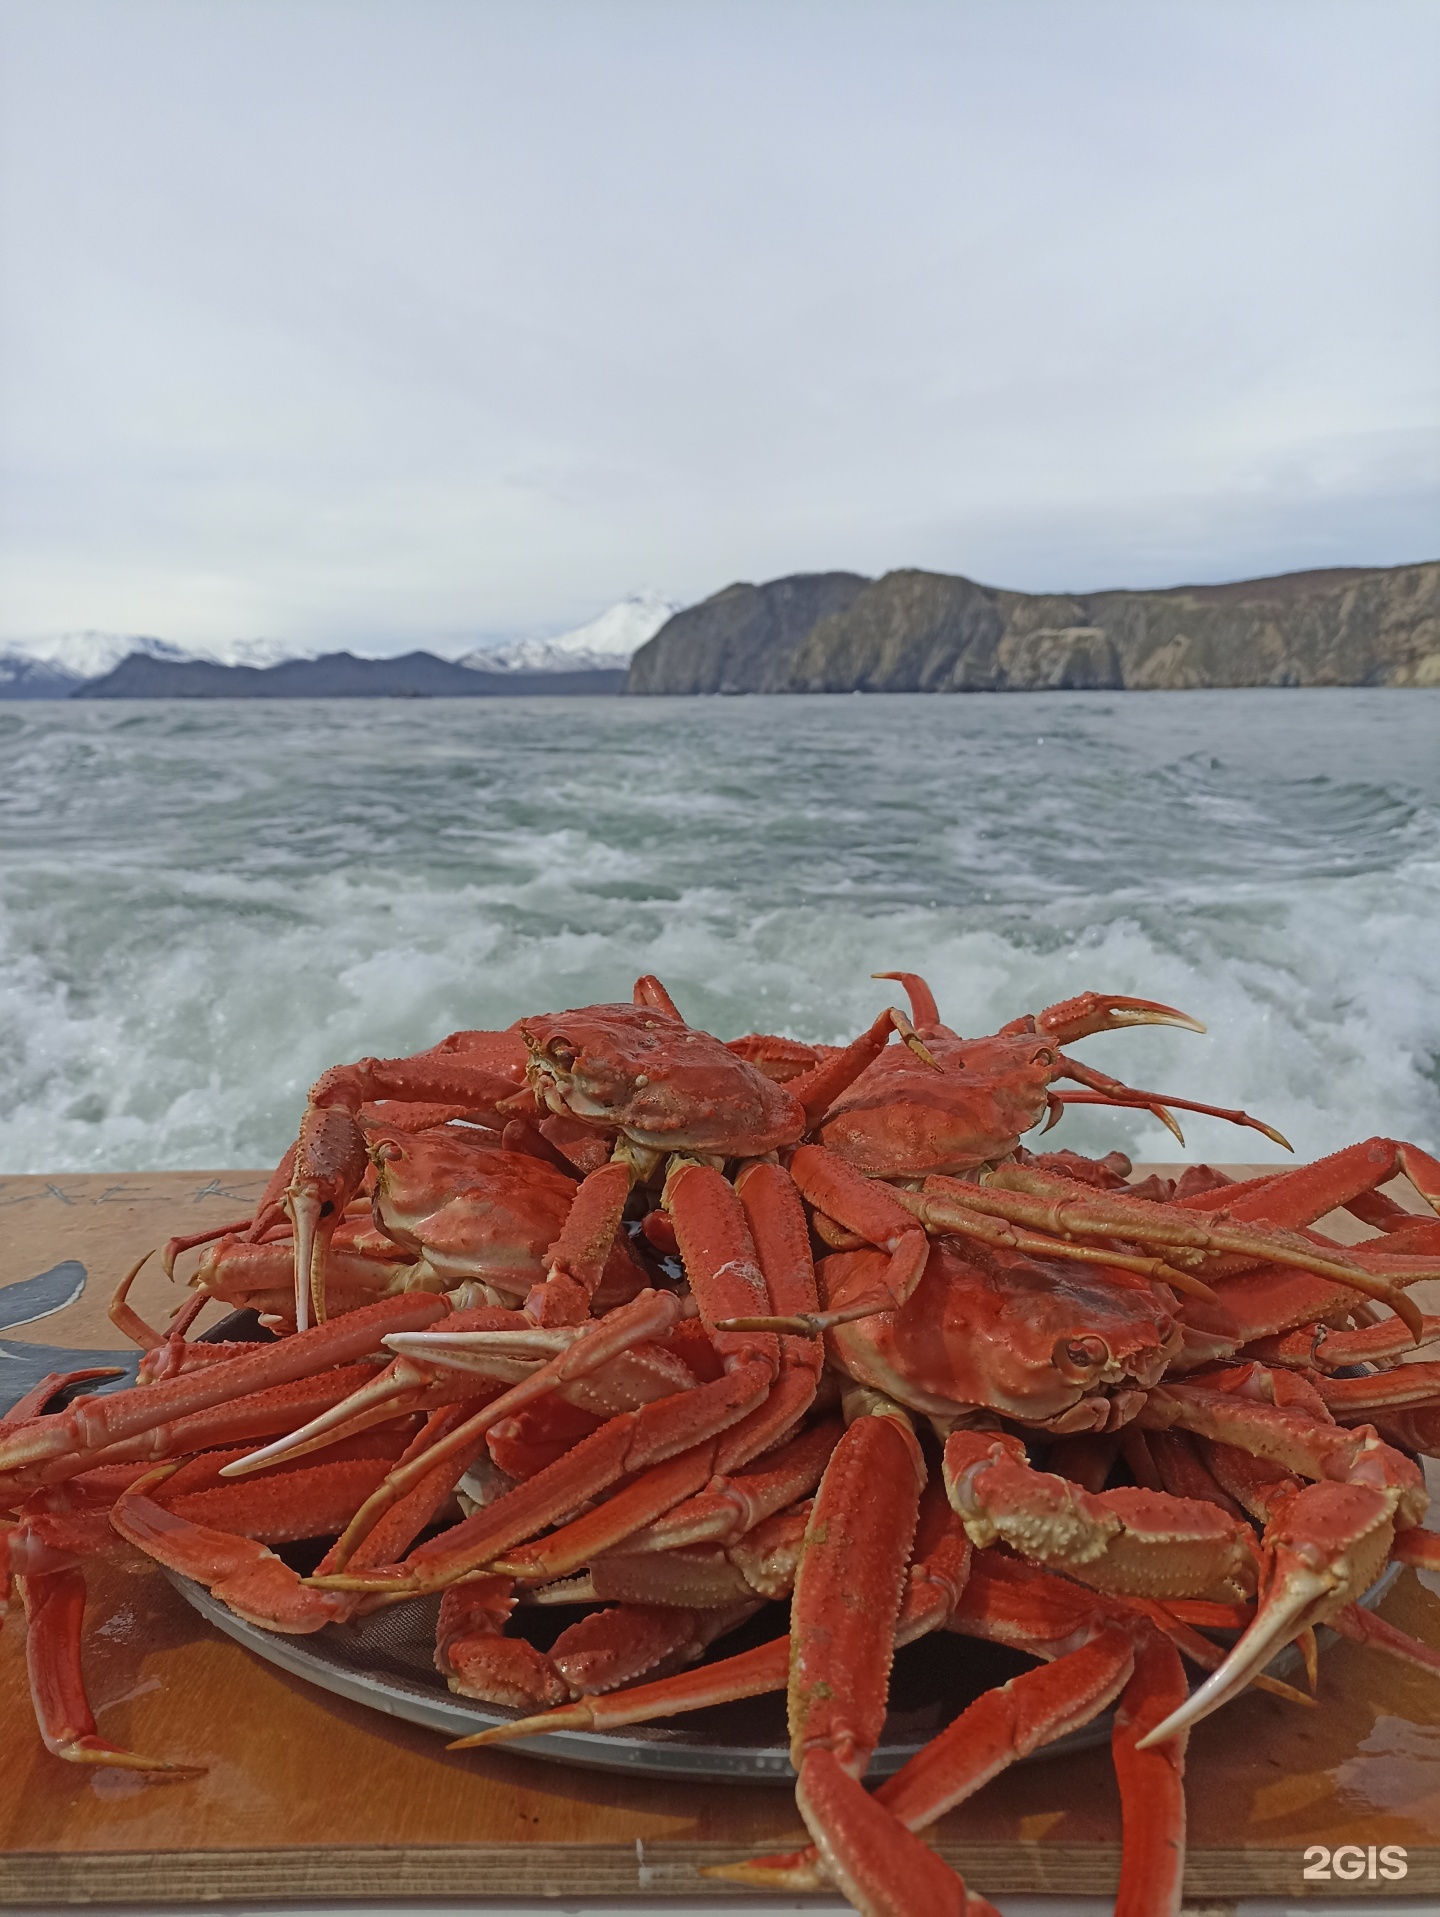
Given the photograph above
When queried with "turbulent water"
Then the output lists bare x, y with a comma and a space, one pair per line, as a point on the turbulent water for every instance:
203, 905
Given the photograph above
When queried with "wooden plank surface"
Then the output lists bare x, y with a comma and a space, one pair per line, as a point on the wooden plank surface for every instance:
306, 1795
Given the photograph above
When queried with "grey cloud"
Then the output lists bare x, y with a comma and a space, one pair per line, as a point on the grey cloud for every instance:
408, 322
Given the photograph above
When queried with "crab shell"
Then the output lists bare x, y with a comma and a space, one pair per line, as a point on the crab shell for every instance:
903, 1119
1045, 1344
474, 1211
664, 1085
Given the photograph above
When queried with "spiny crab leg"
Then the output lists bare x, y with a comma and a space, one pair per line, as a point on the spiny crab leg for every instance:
647, 1316
818, 1088
944, 1209
937, 1577
669, 1442
39, 1395
92, 1423
1046, 1201
656, 1441
1301, 1196
732, 1505
999, 1729
894, 1220
1327, 1541
1316, 1347
1108, 1540
329, 1167
123, 1315
175, 1246
721, 1242
55, 1605
577, 1351
848, 1594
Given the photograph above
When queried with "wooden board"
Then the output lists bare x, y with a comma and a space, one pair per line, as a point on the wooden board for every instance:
305, 1795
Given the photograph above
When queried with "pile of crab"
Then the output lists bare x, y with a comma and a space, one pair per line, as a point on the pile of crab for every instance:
602, 1311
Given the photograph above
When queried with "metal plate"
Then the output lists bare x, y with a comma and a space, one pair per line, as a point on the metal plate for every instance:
386, 1661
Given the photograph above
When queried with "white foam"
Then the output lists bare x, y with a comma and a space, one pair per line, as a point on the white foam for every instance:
201, 910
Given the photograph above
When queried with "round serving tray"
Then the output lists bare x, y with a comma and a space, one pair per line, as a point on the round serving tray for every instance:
387, 1661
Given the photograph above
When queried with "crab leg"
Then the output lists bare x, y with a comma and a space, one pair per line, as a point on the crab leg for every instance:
1101, 1089
597, 1344
1316, 1347
243, 1573
937, 1578
55, 1605
818, 1088
633, 1441
229, 1553
254, 1416
1125, 1540
1048, 1202
996, 1731
1349, 1399
651, 993
871, 1211
780, 1234
1325, 1543
1364, 1627
1301, 1196
736, 1252
94, 1423
39, 1395
747, 1674
579, 1351
860, 1535
578, 1256
1150, 1769
730, 1506
675, 1436
476, 1658
891, 1219
598, 1654
403, 1520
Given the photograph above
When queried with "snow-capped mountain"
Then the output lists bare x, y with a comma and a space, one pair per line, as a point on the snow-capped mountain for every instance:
607, 641
51, 668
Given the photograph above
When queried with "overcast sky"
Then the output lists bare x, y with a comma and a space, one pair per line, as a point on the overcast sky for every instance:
413, 321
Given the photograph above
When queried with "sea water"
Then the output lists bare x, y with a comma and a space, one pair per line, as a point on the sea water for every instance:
202, 905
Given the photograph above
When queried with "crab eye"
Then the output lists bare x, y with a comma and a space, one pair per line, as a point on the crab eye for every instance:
1081, 1354
560, 1053
1043, 1057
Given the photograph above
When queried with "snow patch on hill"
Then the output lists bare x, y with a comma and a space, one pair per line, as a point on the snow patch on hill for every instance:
74, 657
606, 642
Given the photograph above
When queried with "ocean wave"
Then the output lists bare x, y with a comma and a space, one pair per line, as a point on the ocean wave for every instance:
201, 908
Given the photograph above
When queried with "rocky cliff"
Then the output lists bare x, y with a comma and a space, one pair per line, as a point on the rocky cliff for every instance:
744, 638
934, 632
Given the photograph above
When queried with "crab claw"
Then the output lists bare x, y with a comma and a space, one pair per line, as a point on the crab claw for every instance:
1329, 1544
1107, 1012
329, 1168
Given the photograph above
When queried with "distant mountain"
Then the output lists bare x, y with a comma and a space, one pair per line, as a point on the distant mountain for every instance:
78, 656
337, 675
936, 632
22, 678
604, 644
591, 659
